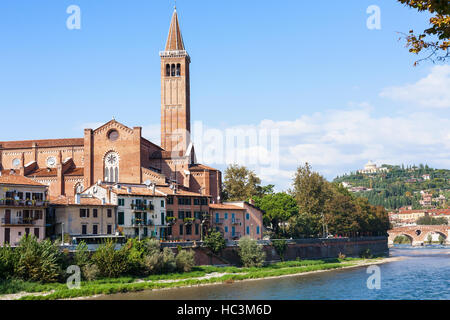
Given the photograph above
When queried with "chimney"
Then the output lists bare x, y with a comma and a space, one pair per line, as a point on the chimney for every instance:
78, 198
129, 189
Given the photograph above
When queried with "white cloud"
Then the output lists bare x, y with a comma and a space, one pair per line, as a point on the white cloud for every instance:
433, 91
339, 141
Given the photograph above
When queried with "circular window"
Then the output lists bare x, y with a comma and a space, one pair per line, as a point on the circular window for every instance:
16, 163
51, 161
113, 135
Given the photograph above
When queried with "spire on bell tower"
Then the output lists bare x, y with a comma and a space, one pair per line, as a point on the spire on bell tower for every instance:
175, 39
175, 91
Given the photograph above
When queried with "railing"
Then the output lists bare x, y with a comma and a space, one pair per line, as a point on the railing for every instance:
141, 222
235, 221
173, 53
18, 221
189, 220
142, 207
171, 220
23, 203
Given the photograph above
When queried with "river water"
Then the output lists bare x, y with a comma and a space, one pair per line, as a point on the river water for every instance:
422, 273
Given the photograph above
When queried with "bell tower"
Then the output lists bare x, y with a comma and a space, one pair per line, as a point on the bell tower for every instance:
175, 91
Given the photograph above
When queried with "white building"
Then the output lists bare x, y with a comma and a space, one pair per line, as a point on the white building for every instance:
141, 209
371, 167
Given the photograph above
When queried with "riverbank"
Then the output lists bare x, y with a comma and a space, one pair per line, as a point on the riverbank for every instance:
201, 276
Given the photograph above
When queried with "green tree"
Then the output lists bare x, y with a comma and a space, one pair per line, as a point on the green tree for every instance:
278, 208
241, 184
215, 242
311, 192
280, 246
251, 253
437, 48
441, 239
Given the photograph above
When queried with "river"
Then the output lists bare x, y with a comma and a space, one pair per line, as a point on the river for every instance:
422, 273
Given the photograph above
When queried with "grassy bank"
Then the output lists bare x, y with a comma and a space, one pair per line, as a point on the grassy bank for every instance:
199, 276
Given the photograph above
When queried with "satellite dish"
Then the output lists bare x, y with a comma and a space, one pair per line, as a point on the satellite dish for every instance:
148, 183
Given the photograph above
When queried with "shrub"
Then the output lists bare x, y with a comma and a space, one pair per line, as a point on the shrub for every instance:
366, 254
252, 254
215, 242
280, 247
168, 261
90, 272
38, 261
81, 257
153, 263
7, 262
185, 260
152, 246
111, 263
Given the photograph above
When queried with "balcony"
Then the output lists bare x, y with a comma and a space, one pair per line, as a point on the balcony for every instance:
142, 207
141, 222
171, 220
18, 221
236, 235
236, 221
188, 220
22, 203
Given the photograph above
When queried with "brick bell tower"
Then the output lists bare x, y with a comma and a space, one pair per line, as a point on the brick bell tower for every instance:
175, 91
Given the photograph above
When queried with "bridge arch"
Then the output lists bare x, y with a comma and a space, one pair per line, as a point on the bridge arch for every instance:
409, 237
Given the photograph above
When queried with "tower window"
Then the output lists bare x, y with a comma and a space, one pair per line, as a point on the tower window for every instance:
172, 73
167, 70
178, 70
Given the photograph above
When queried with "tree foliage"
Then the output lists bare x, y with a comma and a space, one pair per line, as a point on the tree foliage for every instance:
241, 184
215, 242
437, 47
251, 253
278, 208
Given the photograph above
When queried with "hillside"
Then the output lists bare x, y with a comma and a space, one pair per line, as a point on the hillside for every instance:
417, 186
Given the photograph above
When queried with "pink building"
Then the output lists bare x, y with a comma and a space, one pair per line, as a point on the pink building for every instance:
23, 204
237, 219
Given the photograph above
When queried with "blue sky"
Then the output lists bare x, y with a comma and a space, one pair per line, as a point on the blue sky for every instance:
341, 94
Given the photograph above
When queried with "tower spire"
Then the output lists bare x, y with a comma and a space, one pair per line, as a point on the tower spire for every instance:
175, 39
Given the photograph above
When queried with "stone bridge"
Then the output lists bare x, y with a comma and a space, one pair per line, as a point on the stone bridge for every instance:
419, 234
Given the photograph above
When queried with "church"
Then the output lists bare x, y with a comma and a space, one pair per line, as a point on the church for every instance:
114, 182
116, 153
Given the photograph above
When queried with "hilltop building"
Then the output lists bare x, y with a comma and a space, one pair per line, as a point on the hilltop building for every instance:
371, 167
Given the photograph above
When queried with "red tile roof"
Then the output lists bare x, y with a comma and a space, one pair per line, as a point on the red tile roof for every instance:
199, 166
223, 206
42, 143
180, 192
65, 201
18, 180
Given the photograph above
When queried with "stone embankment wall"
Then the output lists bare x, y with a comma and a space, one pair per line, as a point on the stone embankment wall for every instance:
302, 248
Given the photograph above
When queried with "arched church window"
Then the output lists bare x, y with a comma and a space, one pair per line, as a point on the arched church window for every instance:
167, 70
79, 188
173, 70
178, 70
112, 167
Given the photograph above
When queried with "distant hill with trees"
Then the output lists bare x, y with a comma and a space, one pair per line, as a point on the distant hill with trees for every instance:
399, 186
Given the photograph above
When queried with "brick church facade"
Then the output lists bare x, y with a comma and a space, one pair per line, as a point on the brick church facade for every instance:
115, 153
